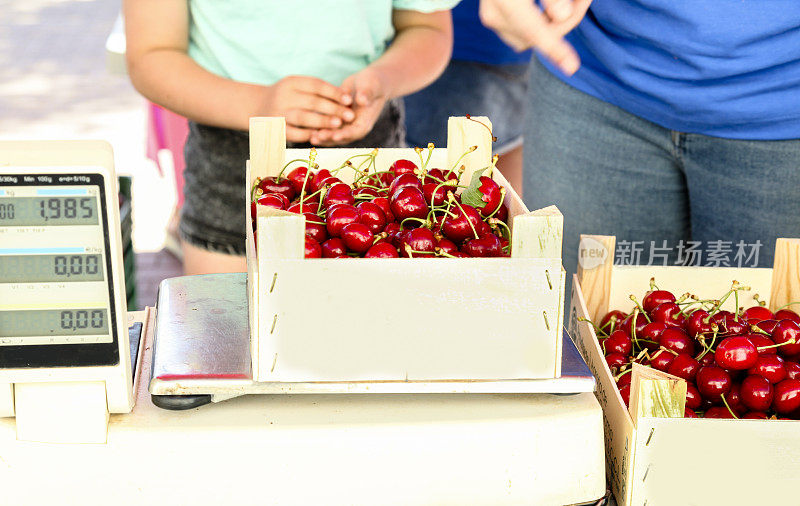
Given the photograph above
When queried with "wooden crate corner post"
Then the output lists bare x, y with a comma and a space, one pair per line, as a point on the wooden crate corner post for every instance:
595, 264
464, 133
786, 274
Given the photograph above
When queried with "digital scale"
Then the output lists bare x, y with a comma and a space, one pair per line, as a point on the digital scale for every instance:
67, 361
64, 344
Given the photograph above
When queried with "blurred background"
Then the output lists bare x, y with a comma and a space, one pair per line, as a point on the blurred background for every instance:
62, 77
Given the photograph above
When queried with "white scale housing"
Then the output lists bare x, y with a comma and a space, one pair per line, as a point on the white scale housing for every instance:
64, 348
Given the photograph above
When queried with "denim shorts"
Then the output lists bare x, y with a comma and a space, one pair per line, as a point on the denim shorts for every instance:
496, 91
213, 216
657, 190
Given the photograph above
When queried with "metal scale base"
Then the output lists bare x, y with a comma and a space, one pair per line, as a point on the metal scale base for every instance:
201, 353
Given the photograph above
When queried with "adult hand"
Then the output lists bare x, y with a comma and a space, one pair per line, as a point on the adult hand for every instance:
522, 25
367, 94
308, 104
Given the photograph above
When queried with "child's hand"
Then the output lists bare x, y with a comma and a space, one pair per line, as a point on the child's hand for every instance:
367, 94
308, 104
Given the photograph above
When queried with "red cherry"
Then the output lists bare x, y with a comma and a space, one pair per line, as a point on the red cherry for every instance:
756, 314
364, 191
712, 382
787, 331
487, 245
461, 227
383, 203
684, 366
734, 400
616, 360
618, 342
641, 323
409, 203
661, 360
382, 250
315, 228
421, 241
298, 177
655, 298
767, 325
688, 413
404, 181
305, 207
313, 249
339, 193
707, 359
446, 245
502, 214
676, 340
786, 398
737, 353
403, 166
435, 193
272, 185
357, 237
625, 392
317, 180
340, 216
274, 200
787, 314
372, 216
623, 380
770, 367
334, 248
490, 195
756, 393
699, 322
718, 412
730, 326
755, 415
616, 313
759, 341
792, 369
668, 313
693, 398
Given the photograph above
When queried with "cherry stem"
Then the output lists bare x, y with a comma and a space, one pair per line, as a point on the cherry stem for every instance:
787, 305
715, 328
633, 327
502, 198
759, 301
623, 373
759, 330
495, 221
468, 151
443, 253
494, 139
453, 199
596, 328
641, 309
410, 251
722, 396
309, 161
790, 341
653, 285
424, 223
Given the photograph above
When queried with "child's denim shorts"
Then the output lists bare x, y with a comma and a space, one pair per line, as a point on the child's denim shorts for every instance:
213, 216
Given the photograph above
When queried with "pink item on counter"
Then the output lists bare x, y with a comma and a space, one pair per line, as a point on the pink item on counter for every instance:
167, 130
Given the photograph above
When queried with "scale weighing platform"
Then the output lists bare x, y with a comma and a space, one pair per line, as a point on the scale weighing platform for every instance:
201, 353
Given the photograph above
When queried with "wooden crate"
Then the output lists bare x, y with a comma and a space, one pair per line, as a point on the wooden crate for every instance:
653, 460
402, 319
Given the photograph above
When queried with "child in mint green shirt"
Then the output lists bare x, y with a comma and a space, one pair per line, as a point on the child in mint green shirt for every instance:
333, 68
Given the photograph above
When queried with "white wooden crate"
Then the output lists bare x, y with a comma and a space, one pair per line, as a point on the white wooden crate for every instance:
670, 461
327, 320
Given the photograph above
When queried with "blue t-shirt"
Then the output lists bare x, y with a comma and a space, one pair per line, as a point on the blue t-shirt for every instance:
725, 68
474, 42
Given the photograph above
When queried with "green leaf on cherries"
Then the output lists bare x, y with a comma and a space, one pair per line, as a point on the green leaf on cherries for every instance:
472, 195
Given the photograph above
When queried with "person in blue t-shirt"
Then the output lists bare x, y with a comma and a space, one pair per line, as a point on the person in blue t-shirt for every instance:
485, 77
663, 122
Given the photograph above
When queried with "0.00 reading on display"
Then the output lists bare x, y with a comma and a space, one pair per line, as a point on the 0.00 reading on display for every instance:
51, 268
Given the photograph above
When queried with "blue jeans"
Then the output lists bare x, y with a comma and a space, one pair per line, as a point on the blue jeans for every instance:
613, 173
478, 89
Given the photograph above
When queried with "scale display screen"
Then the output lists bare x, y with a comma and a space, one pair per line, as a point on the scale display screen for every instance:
56, 301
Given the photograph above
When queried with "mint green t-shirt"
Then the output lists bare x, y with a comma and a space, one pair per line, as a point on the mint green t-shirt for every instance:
263, 41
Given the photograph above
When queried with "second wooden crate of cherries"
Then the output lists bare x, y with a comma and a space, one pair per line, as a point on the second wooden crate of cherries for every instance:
715, 352
479, 299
